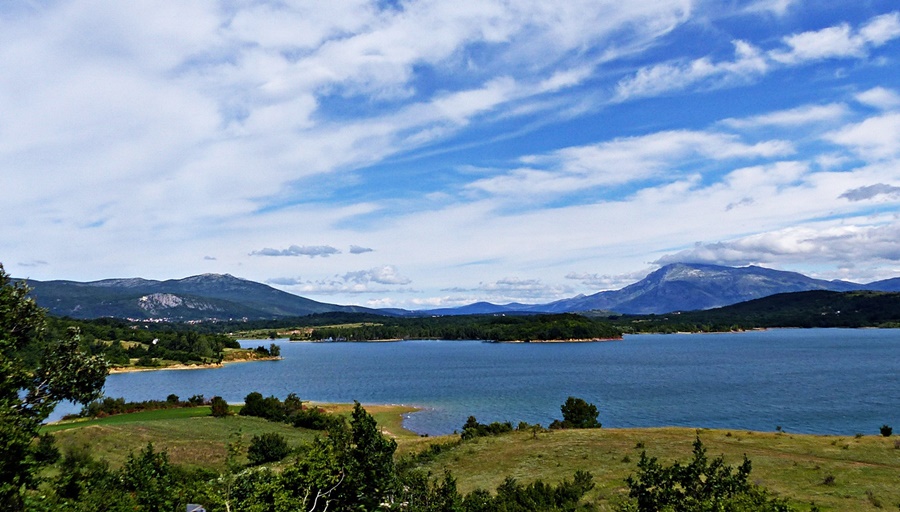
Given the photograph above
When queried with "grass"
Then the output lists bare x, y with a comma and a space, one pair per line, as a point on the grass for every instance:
191, 436
792, 466
836, 473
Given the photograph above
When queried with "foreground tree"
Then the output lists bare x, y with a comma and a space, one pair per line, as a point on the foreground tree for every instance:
577, 413
37, 375
698, 486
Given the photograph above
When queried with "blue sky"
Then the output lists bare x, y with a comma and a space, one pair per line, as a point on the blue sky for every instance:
432, 154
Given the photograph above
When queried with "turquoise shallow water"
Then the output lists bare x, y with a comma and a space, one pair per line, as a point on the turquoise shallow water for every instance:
827, 381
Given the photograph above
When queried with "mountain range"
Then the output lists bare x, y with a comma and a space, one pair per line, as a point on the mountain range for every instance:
674, 287
202, 297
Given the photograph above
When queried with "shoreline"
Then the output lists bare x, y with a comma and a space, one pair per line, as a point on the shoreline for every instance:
576, 340
181, 366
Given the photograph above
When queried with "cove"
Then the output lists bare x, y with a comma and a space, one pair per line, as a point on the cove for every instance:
821, 381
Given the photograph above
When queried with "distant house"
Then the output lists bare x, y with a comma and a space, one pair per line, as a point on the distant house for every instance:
193, 507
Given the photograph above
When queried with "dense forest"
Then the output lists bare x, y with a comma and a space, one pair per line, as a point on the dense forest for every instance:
476, 327
119, 341
801, 309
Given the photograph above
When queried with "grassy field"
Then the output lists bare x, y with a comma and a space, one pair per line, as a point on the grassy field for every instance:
836, 473
192, 437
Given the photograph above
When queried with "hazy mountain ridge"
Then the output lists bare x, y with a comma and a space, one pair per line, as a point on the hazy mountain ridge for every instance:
202, 297
674, 287
688, 287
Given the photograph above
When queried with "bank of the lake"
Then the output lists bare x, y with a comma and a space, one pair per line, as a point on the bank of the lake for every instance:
822, 381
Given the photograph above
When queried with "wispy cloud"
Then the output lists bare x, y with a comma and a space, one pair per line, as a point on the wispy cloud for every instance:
296, 250
871, 191
748, 64
385, 278
841, 245
621, 161
751, 63
356, 249
880, 97
805, 114
838, 42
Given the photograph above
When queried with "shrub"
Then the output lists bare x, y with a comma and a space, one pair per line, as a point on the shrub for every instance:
268, 447
886, 431
219, 407
577, 413
701, 484
473, 429
46, 451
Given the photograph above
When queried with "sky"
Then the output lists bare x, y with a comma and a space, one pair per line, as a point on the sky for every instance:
423, 154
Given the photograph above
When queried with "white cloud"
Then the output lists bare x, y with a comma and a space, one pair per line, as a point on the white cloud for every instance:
356, 282
514, 289
622, 161
839, 41
875, 138
296, 250
748, 64
602, 282
382, 275
840, 245
880, 97
806, 114
779, 7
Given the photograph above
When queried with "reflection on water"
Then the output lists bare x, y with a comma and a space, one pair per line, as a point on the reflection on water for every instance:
835, 381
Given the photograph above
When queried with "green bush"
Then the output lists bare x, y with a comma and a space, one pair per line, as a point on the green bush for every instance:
886, 431
219, 407
577, 413
268, 447
699, 485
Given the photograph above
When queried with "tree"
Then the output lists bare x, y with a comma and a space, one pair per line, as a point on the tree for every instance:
267, 447
577, 414
37, 375
701, 485
149, 476
886, 430
219, 407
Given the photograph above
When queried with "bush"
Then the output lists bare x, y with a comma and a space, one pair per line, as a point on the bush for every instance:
577, 414
268, 447
701, 484
886, 431
219, 407
473, 429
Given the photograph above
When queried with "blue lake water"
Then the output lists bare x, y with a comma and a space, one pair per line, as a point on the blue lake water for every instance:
825, 381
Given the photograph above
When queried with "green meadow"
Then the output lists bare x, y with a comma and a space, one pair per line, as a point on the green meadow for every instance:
833, 472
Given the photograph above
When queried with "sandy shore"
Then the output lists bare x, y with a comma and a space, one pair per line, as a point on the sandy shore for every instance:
581, 340
132, 369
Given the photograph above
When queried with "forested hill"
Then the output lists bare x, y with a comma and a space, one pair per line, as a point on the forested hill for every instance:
481, 327
800, 309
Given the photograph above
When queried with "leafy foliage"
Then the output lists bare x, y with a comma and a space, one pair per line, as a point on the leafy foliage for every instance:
475, 327
219, 407
698, 486
799, 309
119, 341
267, 447
473, 429
37, 375
577, 413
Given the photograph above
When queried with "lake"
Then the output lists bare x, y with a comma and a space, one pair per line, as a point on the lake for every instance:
823, 381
